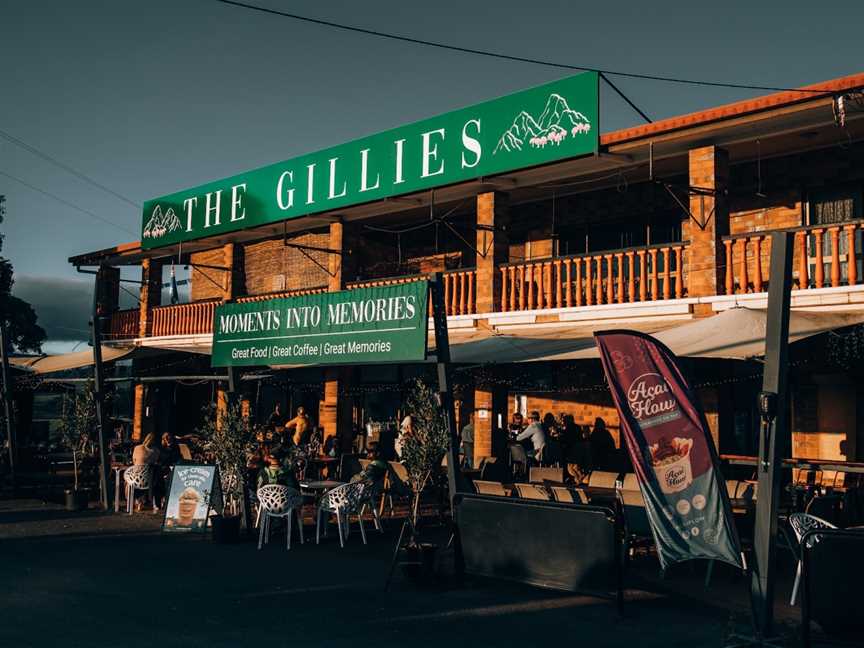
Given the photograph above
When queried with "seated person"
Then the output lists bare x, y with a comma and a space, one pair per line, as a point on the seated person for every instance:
275, 473
169, 452
535, 434
375, 470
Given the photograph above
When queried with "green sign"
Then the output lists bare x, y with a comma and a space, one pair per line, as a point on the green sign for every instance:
382, 324
537, 126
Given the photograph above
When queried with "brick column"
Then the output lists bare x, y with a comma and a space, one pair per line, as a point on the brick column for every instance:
232, 281
705, 261
150, 295
492, 216
483, 426
331, 413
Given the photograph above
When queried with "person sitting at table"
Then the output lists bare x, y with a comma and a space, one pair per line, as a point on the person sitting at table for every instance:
602, 447
516, 425
169, 452
146, 453
274, 473
299, 424
375, 470
534, 432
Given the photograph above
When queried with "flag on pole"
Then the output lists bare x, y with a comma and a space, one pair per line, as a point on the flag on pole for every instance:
671, 449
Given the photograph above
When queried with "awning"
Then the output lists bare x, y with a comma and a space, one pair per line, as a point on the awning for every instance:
66, 361
737, 333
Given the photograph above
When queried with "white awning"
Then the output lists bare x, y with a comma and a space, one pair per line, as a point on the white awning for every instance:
66, 361
737, 333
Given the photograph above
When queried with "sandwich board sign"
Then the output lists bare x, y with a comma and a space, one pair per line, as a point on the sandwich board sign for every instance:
194, 490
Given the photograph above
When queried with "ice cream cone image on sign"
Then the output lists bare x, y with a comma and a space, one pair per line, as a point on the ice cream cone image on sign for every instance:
187, 506
671, 462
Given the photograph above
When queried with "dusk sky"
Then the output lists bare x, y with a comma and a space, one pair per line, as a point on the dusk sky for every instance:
149, 97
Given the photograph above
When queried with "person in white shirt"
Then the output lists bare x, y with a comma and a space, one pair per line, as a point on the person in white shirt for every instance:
535, 433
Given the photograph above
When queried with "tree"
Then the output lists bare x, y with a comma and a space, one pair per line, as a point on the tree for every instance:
24, 333
229, 439
78, 425
423, 449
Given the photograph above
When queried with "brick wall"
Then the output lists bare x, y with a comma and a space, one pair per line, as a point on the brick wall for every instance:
206, 282
270, 266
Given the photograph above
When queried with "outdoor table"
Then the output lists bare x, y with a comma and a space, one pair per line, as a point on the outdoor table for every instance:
322, 485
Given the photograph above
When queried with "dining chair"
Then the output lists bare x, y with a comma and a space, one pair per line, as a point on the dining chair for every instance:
602, 479
489, 488
539, 475
277, 501
343, 501
532, 491
569, 495
801, 523
138, 478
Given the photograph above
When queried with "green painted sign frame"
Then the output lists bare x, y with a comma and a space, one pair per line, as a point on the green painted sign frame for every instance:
367, 325
548, 123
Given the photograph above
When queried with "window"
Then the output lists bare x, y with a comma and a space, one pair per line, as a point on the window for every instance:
835, 205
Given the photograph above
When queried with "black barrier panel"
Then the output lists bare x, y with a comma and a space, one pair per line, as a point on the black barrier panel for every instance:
833, 571
549, 544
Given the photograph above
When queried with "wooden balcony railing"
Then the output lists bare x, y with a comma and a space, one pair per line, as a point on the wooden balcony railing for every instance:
125, 324
285, 293
460, 289
825, 256
614, 277
183, 319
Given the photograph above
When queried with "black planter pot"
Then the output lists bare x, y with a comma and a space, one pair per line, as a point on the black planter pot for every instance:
419, 562
226, 530
77, 499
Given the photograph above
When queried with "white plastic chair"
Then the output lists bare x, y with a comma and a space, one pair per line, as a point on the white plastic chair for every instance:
344, 501
801, 523
138, 478
277, 501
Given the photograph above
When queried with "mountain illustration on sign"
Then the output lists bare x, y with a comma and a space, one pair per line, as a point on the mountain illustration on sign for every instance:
555, 124
161, 224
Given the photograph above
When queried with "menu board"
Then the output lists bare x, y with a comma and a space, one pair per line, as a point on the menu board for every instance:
194, 490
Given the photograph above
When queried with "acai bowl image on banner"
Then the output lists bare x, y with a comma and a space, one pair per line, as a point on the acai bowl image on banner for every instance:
670, 446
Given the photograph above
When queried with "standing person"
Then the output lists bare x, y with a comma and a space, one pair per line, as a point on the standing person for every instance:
534, 432
299, 424
468, 442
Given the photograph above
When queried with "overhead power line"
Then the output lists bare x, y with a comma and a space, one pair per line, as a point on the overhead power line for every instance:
63, 201
78, 174
510, 57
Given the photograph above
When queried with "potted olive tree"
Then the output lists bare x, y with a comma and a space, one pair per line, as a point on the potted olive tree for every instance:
228, 439
77, 431
423, 449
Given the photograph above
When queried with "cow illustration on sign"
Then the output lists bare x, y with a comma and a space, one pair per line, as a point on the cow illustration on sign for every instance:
161, 224
556, 123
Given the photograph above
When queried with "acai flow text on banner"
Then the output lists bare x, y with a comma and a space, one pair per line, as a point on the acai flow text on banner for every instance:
369, 325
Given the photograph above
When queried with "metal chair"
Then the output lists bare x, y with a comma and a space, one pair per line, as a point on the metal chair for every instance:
138, 478
397, 483
489, 488
531, 491
343, 501
801, 523
518, 459
569, 495
276, 501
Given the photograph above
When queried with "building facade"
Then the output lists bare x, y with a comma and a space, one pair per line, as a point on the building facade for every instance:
664, 223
